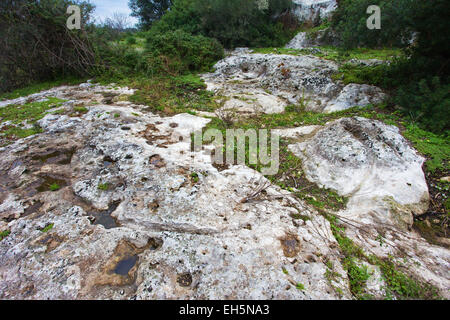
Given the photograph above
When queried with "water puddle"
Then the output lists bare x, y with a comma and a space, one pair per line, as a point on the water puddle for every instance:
108, 161
52, 156
125, 265
104, 218
157, 161
290, 245
51, 184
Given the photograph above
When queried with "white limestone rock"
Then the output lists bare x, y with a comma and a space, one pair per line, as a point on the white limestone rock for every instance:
372, 164
189, 239
313, 10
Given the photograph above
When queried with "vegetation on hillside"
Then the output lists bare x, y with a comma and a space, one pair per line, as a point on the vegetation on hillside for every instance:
419, 80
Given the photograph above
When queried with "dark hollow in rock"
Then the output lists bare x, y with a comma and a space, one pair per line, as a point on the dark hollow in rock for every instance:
104, 218
48, 181
184, 279
125, 265
290, 245
155, 243
157, 161
52, 156
107, 161
32, 208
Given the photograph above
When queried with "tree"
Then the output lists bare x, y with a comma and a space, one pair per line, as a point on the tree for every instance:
148, 11
119, 22
36, 45
232, 22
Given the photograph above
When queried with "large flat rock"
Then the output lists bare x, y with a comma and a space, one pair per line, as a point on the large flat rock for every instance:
168, 225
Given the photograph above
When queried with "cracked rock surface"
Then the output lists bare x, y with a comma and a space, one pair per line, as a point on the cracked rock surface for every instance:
154, 232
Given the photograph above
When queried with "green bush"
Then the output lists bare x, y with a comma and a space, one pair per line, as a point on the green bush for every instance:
419, 82
131, 40
428, 102
35, 44
179, 52
349, 22
233, 22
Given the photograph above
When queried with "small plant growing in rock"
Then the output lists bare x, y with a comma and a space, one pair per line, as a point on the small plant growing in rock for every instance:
116, 115
194, 177
103, 186
4, 234
48, 227
54, 187
80, 109
300, 286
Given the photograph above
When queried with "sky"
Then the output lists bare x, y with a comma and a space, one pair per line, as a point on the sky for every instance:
106, 8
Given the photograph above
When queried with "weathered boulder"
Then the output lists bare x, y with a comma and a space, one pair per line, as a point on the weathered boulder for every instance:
313, 39
373, 165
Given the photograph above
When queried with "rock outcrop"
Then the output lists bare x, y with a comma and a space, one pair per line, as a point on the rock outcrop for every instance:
373, 165
114, 203
266, 83
313, 10
315, 39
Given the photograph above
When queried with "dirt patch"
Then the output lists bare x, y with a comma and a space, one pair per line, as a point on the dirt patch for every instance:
51, 241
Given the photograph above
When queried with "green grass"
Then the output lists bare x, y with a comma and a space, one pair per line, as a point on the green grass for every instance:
54, 187
171, 95
18, 115
80, 109
48, 227
38, 87
351, 73
435, 148
4, 234
300, 286
336, 54
398, 284
168, 95
30, 112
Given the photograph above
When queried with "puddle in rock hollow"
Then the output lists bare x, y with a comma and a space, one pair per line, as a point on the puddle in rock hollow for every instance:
52, 156
33, 208
107, 161
49, 182
104, 218
125, 265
